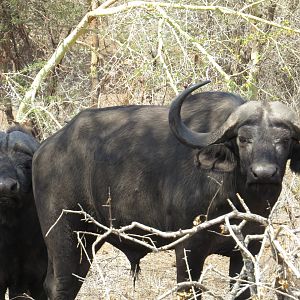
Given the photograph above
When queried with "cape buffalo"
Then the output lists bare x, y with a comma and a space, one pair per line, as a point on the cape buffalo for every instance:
237, 146
23, 255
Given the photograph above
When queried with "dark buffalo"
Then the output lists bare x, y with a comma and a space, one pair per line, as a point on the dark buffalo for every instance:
23, 258
237, 146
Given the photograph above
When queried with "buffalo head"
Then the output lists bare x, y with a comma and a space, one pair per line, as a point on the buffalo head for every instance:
255, 141
16, 150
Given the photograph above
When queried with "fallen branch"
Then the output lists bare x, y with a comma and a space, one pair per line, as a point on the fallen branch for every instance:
189, 284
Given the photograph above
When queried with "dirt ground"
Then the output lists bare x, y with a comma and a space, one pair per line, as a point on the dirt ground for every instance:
158, 275
109, 277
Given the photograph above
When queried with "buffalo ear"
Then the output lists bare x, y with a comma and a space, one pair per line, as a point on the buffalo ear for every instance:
295, 158
216, 157
23, 142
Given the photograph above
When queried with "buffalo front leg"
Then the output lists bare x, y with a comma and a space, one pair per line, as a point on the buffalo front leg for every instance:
61, 282
22, 289
189, 264
2, 292
65, 274
235, 267
18, 289
68, 262
37, 292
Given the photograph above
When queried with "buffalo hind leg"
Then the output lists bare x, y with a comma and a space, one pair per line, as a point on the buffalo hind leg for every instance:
193, 259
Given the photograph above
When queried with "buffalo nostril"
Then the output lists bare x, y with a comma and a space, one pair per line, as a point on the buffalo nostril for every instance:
9, 185
264, 171
253, 173
14, 187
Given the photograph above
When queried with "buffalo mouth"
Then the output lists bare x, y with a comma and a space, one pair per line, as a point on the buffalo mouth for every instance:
262, 183
265, 189
8, 201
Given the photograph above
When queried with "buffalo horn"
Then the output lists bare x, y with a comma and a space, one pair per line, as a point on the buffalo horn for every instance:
182, 132
249, 110
202, 139
284, 113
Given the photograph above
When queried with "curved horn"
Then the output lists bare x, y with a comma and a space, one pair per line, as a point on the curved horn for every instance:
284, 113
183, 133
201, 139
296, 127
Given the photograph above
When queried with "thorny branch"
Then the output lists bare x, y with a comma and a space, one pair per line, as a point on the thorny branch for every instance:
180, 235
251, 266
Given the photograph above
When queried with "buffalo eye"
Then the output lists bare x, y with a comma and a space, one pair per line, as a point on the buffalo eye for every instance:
26, 165
282, 141
244, 140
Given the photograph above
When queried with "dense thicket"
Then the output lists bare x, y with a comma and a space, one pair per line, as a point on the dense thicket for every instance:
137, 56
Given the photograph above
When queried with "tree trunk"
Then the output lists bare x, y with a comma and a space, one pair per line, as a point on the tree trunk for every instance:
94, 57
16, 50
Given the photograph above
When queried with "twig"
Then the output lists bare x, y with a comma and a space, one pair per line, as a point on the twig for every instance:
180, 235
193, 41
187, 284
189, 272
249, 260
281, 252
161, 58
